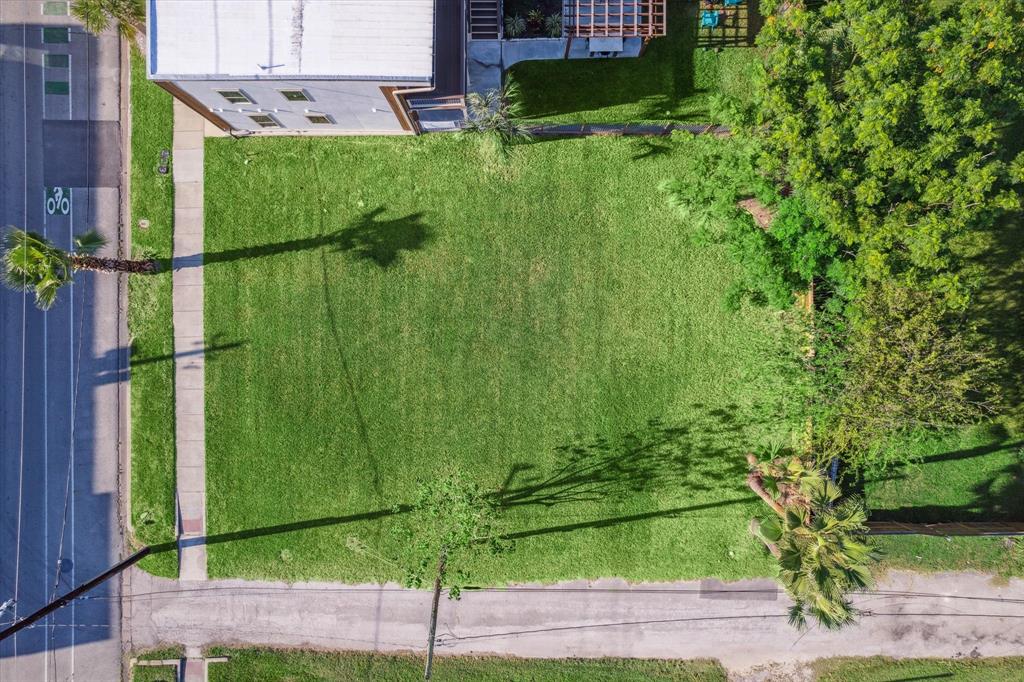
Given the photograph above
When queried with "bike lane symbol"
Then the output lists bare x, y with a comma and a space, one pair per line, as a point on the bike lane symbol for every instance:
58, 200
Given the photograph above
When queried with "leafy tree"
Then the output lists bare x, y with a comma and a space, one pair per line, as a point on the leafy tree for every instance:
97, 15
496, 114
452, 520
889, 118
902, 364
33, 263
818, 540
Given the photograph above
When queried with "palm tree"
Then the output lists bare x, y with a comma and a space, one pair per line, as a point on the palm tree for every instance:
33, 263
819, 541
496, 113
97, 15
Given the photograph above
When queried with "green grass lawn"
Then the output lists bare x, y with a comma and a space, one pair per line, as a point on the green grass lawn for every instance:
880, 669
262, 665
673, 81
149, 322
378, 310
154, 673
976, 474
1003, 557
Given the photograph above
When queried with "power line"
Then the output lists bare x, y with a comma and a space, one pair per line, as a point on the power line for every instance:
71, 596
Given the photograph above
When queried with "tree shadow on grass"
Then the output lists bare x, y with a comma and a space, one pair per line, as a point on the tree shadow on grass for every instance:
702, 455
999, 497
368, 238
998, 306
699, 456
649, 150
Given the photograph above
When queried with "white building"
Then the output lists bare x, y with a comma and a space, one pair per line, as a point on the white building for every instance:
289, 66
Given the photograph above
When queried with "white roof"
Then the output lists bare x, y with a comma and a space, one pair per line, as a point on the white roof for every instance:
246, 38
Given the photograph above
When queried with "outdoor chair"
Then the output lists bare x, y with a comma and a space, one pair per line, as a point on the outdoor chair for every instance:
709, 18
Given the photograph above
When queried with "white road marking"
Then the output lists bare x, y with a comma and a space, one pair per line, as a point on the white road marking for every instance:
24, 317
71, 454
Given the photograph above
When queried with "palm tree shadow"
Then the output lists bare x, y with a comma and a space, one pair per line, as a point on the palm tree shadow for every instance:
383, 241
368, 237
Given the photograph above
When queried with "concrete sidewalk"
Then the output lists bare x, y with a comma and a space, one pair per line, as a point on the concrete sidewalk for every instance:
189, 358
742, 624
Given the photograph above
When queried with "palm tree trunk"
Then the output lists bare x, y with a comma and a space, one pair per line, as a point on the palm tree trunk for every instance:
95, 263
756, 484
755, 530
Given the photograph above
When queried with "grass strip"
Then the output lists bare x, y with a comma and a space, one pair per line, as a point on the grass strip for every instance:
881, 669
252, 665
150, 324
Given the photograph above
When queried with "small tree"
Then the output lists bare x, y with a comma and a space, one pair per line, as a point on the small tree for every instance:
452, 520
33, 263
97, 15
495, 114
818, 540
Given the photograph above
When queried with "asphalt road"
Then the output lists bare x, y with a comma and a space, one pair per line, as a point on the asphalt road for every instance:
60, 371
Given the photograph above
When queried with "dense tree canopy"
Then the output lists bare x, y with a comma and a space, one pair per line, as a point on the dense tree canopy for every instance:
890, 118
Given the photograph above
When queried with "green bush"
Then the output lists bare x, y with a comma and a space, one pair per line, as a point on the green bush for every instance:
900, 364
777, 261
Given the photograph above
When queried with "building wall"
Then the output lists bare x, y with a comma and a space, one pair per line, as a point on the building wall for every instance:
353, 106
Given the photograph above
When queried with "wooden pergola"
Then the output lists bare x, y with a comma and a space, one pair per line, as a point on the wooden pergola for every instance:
614, 18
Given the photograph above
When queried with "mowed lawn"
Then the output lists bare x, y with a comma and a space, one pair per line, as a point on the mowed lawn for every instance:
382, 310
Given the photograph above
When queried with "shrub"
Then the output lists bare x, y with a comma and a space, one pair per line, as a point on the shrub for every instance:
553, 26
903, 364
776, 262
515, 26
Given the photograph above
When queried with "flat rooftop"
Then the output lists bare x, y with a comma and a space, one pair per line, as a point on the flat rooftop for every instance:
358, 39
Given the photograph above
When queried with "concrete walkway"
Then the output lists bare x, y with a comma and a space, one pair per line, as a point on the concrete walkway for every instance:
742, 624
189, 361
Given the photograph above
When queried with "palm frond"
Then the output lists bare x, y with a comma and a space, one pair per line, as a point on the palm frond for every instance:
496, 113
93, 14
797, 618
31, 263
89, 242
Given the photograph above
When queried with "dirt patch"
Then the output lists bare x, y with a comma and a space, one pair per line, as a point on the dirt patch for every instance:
762, 214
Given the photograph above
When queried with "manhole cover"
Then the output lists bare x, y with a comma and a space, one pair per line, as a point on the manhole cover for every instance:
143, 224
